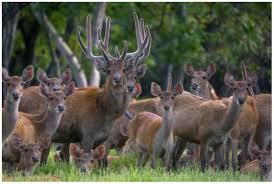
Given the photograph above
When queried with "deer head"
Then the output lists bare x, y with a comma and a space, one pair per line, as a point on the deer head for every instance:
199, 78
15, 84
56, 100
86, 161
129, 64
240, 88
54, 84
167, 97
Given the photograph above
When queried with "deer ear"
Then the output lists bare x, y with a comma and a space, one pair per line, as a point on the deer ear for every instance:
16, 141
42, 76
5, 74
229, 80
74, 150
44, 142
27, 73
137, 91
189, 69
252, 80
44, 90
66, 76
101, 66
99, 152
141, 70
124, 129
69, 88
178, 89
156, 89
211, 70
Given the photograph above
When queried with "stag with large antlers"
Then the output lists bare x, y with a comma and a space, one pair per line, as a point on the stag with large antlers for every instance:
92, 111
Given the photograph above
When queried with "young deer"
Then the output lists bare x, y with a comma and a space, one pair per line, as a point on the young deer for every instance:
15, 86
32, 127
86, 161
151, 133
101, 107
32, 102
245, 128
30, 152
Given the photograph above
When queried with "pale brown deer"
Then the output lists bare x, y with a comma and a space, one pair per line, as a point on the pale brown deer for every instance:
90, 124
32, 102
32, 127
152, 134
207, 122
15, 86
244, 129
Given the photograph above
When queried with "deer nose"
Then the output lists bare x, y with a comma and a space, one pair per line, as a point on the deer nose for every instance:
166, 108
130, 88
83, 170
61, 108
194, 86
58, 147
56, 88
241, 100
117, 79
35, 159
15, 95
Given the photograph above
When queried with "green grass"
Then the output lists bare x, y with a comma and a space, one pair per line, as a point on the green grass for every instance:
124, 169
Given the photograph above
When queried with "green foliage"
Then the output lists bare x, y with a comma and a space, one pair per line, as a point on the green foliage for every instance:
197, 33
124, 169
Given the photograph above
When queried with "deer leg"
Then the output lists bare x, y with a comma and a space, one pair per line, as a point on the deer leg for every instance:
227, 145
45, 155
234, 143
176, 151
219, 157
155, 153
203, 156
142, 158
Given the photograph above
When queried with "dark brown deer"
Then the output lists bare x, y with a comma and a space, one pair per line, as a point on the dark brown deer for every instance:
90, 124
15, 86
32, 102
32, 127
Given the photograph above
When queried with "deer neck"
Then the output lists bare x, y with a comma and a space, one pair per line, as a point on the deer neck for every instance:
232, 115
11, 111
115, 100
207, 92
47, 122
166, 126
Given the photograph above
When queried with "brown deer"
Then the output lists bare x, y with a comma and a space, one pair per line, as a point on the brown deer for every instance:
32, 127
86, 161
30, 152
15, 86
207, 122
90, 125
244, 129
32, 102
151, 133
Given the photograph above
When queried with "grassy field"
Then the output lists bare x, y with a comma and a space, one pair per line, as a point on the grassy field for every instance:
125, 169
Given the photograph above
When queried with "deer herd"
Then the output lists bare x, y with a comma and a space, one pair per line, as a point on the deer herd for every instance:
88, 122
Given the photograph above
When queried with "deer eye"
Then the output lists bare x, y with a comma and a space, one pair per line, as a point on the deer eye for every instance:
234, 88
65, 98
172, 97
25, 150
91, 161
204, 78
8, 84
51, 98
22, 83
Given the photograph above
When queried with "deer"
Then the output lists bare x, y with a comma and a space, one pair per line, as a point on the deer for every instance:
32, 127
151, 133
90, 125
30, 153
32, 102
245, 128
15, 86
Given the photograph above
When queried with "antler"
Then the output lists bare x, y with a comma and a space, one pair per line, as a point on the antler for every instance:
143, 37
244, 75
103, 45
169, 82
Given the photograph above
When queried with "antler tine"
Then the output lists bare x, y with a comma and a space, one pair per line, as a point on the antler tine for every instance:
88, 33
142, 28
104, 52
123, 55
117, 53
244, 73
107, 32
169, 82
146, 50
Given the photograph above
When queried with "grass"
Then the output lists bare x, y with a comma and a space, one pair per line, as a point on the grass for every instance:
124, 169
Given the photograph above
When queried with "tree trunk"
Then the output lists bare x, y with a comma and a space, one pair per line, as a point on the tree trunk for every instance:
62, 46
100, 12
54, 67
